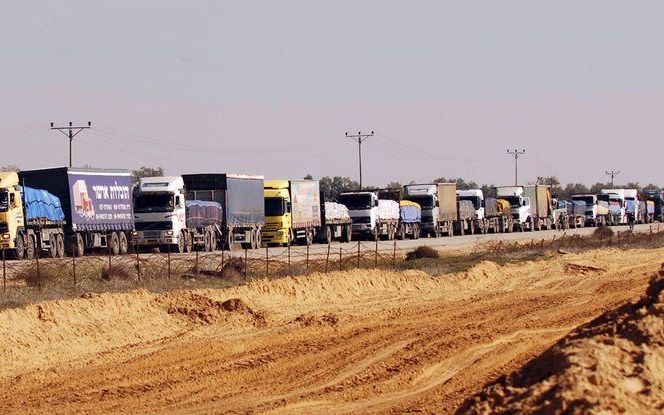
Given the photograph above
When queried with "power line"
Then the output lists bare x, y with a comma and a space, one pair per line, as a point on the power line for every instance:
360, 138
516, 154
69, 132
612, 173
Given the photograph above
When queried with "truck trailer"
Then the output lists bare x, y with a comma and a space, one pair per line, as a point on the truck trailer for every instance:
657, 197
541, 206
97, 206
31, 220
165, 219
410, 218
242, 205
337, 224
292, 211
439, 206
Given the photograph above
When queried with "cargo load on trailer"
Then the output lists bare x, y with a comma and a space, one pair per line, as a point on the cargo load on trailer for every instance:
337, 224
242, 205
541, 206
439, 206
497, 216
97, 205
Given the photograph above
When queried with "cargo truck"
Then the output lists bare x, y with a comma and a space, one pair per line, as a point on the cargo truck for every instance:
439, 207
616, 204
497, 216
647, 211
165, 219
520, 206
476, 198
410, 214
31, 220
466, 218
657, 197
541, 206
242, 205
372, 217
596, 213
337, 224
97, 206
292, 211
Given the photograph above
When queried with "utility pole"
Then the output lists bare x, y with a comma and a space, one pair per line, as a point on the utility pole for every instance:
360, 138
71, 132
612, 173
516, 154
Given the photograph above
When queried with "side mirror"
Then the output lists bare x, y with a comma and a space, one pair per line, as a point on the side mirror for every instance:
178, 201
289, 207
12, 200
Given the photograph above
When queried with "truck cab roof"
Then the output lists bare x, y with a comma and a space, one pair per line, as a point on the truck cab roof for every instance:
8, 179
161, 184
471, 192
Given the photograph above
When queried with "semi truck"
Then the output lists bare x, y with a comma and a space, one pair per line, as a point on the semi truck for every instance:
337, 224
410, 217
466, 217
520, 206
541, 206
165, 219
497, 216
616, 204
292, 211
97, 206
439, 207
596, 213
372, 217
242, 205
657, 197
31, 220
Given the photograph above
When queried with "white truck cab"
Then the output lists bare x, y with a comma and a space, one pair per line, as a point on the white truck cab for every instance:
520, 205
632, 203
362, 209
616, 199
160, 212
426, 195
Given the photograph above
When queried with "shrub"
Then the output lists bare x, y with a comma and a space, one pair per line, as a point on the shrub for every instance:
603, 232
422, 252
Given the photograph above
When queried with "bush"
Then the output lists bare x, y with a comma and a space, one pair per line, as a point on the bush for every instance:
603, 232
422, 252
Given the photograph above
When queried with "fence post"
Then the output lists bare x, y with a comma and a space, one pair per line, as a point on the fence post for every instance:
358, 255
327, 259
245, 263
340, 259
222, 264
109, 258
307, 257
289, 268
4, 272
394, 255
376, 255
196, 262
39, 280
73, 263
267, 262
168, 262
138, 261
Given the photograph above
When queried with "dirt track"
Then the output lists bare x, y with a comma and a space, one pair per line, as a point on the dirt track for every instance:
355, 342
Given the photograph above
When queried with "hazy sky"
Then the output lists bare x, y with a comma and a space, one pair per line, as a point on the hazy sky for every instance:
271, 87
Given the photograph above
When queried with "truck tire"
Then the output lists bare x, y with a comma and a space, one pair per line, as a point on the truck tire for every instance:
416, 231
347, 233
78, 245
259, 238
114, 245
401, 232
213, 241
19, 251
53, 243
228, 240
309, 237
124, 243
60, 245
188, 242
207, 244
327, 235
179, 248
30, 248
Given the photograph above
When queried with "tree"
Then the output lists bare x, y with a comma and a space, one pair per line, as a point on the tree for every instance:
333, 187
308, 177
394, 185
146, 171
461, 183
10, 167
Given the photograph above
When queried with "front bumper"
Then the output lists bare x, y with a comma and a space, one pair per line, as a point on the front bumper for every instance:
278, 236
154, 238
362, 228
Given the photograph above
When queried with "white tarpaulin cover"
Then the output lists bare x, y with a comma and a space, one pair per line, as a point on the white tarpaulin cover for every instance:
336, 212
388, 209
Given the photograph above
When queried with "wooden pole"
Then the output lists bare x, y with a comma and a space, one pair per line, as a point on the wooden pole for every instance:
245, 263
394, 255
168, 261
327, 259
358, 255
376, 255
4, 272
222, 263
340, 259
138, 262
73, 263
267, 262
307, 257
39, 280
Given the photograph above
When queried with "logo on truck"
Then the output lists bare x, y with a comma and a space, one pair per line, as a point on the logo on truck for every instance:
82, 202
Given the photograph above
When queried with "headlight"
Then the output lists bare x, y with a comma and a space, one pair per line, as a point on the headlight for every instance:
169, 233
6, 236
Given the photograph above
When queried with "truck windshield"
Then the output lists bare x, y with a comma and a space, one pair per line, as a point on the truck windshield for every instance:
588, 199
514, 201
477, 202
4, 201
426, 202
157, 202
356, 202
275, 206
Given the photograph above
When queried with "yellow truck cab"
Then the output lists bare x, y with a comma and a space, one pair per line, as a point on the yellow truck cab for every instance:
277, 212
11, 209
292, 211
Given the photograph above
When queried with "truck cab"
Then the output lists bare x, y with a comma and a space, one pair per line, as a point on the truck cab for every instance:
426, 195
591, 207
160, 213
476, 197
657, 197
363, 210
632, 205
519, 205
278, 213
616, 200
11, 210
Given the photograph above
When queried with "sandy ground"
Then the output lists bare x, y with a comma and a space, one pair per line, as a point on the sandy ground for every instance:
347, 342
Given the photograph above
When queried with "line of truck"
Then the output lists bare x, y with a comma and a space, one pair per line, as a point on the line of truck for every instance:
74, 211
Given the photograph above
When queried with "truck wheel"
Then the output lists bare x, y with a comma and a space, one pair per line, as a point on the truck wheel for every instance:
124, 243
327, 235
30, 249
79, 245
347, 233
309, 237
416, 232
213, 241
188, 243
19, 252
207, 245
53, 243
60, 244
401, 232
114, 246
259, 238
228, 240
179, 248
